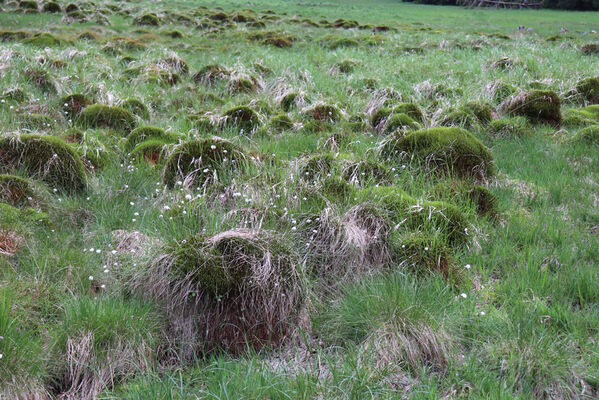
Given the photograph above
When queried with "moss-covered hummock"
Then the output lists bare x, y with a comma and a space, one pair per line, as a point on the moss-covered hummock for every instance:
45, 157
410, 214
43, 40
151, 150
468, 194
589, 89
149, 19
591, 48
143, 133
324, 112
211, 74
366, 171
199, 162
17, 191
316, 166
136, 107
111, 117
450, 150
400, 122
242, 117
73, 104
539, 106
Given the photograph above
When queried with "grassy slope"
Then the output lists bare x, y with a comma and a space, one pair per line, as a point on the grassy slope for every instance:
534, 275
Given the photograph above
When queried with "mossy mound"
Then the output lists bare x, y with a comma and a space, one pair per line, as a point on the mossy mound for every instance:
73, 104
468, 194
201, 162
28, 5
482, 111
469, 115
17, 191
242, 84
211, 74
591, 48
280, 122
152, 150
575, 118
346, 66
587, 136
589, 89
149, 19
500, 90
319, 165
411, 110
43, 40
136, 107
242, 117
102, 116
323, 112
410, 214
503, 63
46, 157
366, 171
510, 127
21, 220
174, 63
247, 285
273, 38
51, 7
400, 122
143, 133
539, 106
15, 95
334, 42
292, 100
424, 254
449, 150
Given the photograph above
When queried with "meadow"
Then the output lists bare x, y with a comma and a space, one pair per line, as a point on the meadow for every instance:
297, 200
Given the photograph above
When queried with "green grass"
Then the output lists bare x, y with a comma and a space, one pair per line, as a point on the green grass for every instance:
498, 306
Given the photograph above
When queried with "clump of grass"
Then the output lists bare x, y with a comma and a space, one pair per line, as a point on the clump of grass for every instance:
211, 74
324, 113
136, 107
466, 193
366, 172
590, 48
73, 104
500, 90
43, 40
448, 150
115, 118
537, 105
587, 136
46, 157
242, 117
16, 95
334, 42
200, 162
41, 79
104, 342
510, 127
238, 289
588, 88
148, 19
17, 191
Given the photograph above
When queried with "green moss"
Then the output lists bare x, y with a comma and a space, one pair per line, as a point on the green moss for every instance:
401, 122
324, 112
28, 5
19, 219
411, 110
243, 117
333, 42
587, 136
380, 115
291, 100
143, 133
537, 105
16, 191
317, 166
482, 111
73, 104
102, 116
273, 38
202, 161
345, 24
43, 40
242, 84
41, 79
460, 118
151, 150
410, 214
46, 157
589, 89
346, 66
149, 19
449, 150
51, 7
136, 107
174, 63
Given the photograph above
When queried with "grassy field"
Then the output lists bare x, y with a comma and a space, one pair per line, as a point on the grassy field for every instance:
281, 200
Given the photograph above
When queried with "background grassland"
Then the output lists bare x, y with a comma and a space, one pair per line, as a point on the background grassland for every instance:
517, 317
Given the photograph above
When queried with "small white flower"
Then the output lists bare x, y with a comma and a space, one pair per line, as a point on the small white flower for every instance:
102, 286
136, 214
113, 252
188, 196
213, 147
91, 278
463, 295
98, 251
131, 203
106, 271
482, 313
467, 266
133, 219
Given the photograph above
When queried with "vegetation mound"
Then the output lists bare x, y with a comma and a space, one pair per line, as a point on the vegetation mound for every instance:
536, 105
112, 117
